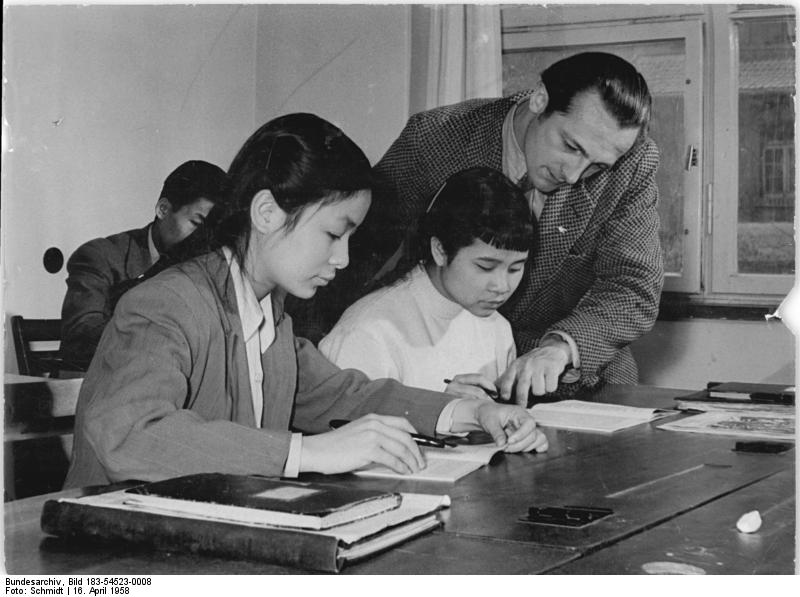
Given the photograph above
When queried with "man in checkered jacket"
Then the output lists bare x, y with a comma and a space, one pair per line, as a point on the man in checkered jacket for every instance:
578, 143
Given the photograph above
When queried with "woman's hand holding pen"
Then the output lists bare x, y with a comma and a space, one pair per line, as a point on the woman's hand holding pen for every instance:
471, 385
371, 439
512, 427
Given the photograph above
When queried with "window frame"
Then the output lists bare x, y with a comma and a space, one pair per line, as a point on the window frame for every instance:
710, 218
726, 282
689, 31
780, 170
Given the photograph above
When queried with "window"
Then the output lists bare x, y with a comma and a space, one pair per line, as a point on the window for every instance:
764, 65
722, 79
777, 175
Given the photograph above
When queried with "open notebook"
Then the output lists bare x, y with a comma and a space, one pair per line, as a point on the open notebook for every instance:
444, 464
597, 417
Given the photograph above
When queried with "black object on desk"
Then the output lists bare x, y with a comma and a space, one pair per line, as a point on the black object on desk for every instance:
763, 447
737, 391
565, 516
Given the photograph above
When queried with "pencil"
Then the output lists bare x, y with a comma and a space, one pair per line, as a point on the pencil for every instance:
493, 394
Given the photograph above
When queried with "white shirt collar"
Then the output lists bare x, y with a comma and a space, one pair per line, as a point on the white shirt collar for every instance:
514, 165
151, 245
256, 315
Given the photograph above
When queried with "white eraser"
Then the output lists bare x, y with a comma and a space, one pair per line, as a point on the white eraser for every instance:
749, 522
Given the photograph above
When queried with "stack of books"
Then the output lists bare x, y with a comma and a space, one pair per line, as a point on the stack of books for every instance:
317, 526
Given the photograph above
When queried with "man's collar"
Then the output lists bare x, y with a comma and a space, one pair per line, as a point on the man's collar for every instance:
514, 165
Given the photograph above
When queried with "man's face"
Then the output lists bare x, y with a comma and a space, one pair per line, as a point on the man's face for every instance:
560, 149
173, 225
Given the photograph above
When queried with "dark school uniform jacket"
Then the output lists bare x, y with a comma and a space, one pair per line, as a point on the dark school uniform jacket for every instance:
94, 269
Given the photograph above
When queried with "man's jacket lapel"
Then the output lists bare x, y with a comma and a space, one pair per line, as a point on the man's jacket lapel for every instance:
563, 220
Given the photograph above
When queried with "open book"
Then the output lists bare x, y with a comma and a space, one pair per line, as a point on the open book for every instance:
113, 517
579, 415
444, 464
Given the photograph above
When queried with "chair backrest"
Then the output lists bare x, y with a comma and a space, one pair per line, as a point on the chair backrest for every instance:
33, 360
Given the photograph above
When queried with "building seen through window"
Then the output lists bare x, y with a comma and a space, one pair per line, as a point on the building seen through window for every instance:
766, 146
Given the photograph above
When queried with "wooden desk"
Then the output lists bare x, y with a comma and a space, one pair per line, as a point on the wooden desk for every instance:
37, 434
706, 538
650, 478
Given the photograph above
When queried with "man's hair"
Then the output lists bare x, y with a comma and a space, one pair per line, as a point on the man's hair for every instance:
621, 87
194, 180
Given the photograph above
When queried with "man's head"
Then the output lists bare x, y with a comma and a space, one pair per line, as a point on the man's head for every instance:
188, 195
587, 112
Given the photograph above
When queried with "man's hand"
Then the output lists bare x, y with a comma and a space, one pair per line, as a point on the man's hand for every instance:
511, 427
535, 372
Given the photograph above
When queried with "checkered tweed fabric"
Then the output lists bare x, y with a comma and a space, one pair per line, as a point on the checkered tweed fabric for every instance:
597, 270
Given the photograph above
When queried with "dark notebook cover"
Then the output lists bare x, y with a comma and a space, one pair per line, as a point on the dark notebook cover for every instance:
332, 504
282, 546
746, 392
764, 392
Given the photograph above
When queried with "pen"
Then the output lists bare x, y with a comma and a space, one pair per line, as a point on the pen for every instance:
491, 393
421, 440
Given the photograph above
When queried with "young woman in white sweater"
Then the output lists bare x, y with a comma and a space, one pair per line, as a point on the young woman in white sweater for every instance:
434, 322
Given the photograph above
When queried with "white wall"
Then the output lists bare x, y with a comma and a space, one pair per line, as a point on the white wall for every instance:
137, 90
348, 64
687, 354
101, 103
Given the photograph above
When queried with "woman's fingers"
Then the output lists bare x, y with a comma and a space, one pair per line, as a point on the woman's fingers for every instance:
388, 441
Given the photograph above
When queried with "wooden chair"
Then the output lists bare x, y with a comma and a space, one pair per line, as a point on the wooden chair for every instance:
32, 360
39, 415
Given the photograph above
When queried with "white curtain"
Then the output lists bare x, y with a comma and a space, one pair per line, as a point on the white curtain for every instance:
464, 54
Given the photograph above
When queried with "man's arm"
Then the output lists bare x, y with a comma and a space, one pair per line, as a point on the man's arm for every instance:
86, 308
619, 306
622, 303
403, 191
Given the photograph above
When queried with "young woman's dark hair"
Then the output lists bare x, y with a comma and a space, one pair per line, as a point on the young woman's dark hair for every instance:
621, 87
478, 203
303, 160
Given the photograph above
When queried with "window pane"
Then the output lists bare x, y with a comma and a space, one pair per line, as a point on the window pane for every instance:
662, 63
765, 242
